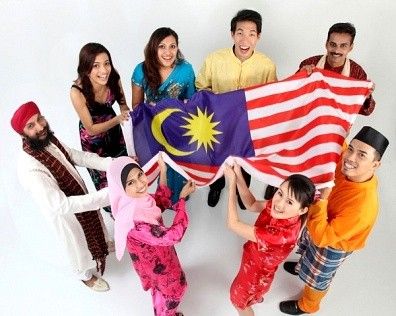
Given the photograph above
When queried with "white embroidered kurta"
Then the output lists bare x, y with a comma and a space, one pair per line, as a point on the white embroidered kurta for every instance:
59, 209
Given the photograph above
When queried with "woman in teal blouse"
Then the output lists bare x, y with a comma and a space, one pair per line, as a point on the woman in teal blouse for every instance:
164, 73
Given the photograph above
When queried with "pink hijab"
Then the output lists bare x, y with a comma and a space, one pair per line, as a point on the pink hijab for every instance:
125, 209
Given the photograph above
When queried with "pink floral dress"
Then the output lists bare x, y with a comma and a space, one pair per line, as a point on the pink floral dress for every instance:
154, 257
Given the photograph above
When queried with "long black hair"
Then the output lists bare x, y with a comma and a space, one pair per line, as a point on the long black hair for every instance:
87, 57
151, 65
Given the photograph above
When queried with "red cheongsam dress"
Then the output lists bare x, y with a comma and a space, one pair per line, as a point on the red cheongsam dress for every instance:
276, 238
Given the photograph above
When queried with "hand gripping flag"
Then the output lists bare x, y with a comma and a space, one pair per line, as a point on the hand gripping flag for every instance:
296, 125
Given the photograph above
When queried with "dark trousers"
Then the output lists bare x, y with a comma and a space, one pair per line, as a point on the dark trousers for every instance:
219, 184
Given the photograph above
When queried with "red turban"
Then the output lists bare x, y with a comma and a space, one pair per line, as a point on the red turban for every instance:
22, 115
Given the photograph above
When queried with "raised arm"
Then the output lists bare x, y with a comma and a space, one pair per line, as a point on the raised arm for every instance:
137, 95
190, 88
46, 192
163, 181
122, 102
159, 235
204, 77
137, 81
80, 105
308, 64
86, 159
247, 197
369, 104
244, 230
187, 189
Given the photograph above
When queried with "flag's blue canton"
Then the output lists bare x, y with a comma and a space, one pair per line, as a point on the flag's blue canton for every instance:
229, 110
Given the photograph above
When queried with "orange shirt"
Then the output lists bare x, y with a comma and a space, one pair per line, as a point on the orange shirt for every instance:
345, 220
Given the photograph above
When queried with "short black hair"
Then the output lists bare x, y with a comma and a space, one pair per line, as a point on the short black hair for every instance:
346, 28
302, 188
247, 15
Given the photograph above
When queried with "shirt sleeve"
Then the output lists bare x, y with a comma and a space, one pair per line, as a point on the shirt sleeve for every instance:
204, 78
159, 235
87, 159
190, 84
332, 233
272, 74
162, 197
50, 197
369, 104
138, 75
309, 61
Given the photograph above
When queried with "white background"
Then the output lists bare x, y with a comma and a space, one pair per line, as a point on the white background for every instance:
40, 42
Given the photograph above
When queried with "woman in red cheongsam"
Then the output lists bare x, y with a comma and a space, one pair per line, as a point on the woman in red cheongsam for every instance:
272, 237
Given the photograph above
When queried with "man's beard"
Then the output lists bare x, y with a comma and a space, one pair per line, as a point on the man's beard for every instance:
38, 144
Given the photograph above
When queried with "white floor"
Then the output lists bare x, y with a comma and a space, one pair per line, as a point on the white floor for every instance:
34, 277
35, 281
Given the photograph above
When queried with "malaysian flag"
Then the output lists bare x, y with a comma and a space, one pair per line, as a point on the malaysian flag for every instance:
296, 125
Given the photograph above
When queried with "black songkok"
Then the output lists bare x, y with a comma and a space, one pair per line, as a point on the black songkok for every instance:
372, 137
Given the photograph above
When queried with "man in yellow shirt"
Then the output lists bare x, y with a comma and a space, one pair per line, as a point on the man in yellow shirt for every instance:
235, 68
340, 222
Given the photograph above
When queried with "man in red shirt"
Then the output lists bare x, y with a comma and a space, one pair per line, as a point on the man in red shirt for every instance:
338, 45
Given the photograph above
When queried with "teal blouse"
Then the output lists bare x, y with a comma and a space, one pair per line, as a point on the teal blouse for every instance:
180, 83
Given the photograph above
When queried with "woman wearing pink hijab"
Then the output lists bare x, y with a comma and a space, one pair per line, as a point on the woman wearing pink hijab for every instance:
139, 227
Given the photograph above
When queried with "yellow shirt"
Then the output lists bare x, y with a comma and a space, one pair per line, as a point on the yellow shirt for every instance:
345, 220
222, 71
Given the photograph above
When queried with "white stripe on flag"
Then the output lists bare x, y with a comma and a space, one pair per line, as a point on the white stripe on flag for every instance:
199, 173
300, 101
294, 144
298, 123
312, 152
294, 84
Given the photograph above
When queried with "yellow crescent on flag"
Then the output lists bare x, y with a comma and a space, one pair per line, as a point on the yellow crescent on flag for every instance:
156, 124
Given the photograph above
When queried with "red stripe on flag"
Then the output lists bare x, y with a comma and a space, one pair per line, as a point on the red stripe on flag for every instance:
264, 167
200, 167
307, 164
299, 112
197, 178
297, 133
320, 139
306, 90
152, 169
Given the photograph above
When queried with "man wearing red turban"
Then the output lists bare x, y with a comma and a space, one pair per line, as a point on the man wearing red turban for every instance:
46, 168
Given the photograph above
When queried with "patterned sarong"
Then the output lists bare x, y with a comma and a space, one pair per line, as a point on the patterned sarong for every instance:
317, 266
